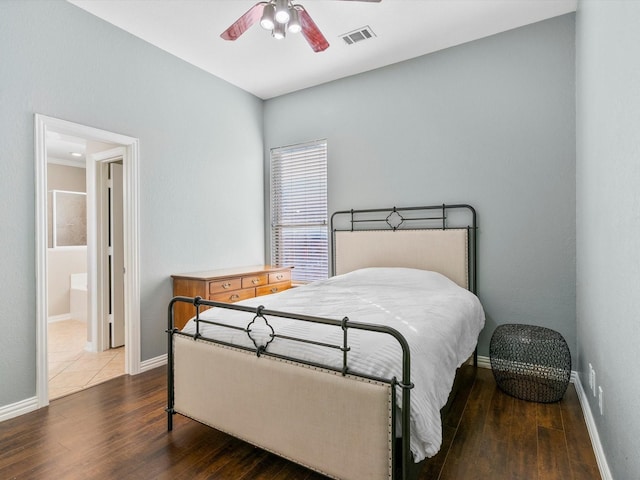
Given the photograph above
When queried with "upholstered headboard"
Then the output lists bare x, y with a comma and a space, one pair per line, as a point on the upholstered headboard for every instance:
407, 237
442, 251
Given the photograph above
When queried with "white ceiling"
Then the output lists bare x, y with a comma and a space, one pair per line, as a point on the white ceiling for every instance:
257, 63
61, 147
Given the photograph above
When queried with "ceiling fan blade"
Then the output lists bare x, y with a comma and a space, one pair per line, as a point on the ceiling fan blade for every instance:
244, 22
310, 31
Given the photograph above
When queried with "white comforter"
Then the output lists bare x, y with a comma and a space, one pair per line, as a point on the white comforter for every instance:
440, 320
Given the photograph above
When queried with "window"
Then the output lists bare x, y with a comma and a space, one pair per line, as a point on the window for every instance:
299, 235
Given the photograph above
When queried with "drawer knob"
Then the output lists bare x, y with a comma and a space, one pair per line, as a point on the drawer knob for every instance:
226, 285
274, 289
255, 281
279, 276
235, 296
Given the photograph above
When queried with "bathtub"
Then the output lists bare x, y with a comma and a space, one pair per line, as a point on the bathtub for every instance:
78, 296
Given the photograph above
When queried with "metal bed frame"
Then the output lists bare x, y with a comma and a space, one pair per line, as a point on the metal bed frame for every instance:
370, 219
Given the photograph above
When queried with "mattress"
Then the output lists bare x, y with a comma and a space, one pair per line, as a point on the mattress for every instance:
440, 321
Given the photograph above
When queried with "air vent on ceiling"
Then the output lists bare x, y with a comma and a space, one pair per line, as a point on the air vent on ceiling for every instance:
364, 33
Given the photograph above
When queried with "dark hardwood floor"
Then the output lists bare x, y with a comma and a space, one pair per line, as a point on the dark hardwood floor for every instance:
117, 430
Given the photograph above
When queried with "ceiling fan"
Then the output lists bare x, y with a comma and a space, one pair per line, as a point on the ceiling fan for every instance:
281, 16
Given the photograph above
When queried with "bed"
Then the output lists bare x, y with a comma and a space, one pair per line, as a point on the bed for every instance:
347, 376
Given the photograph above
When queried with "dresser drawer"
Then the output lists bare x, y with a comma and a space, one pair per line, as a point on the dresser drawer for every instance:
254, 281
284, 276
220, 286
273, 288
227, 285
234, 296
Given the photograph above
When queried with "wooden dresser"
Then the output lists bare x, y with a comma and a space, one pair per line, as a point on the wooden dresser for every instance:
227, 285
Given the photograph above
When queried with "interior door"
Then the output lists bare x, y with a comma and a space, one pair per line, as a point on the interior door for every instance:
116, 256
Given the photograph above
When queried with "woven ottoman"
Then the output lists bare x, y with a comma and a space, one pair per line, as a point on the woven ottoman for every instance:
529, 362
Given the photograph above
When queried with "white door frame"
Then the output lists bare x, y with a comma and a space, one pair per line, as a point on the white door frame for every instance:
130, 145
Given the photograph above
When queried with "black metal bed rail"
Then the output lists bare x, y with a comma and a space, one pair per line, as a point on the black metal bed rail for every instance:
260, 312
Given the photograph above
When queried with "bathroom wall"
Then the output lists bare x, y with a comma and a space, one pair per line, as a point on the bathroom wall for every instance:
62, 262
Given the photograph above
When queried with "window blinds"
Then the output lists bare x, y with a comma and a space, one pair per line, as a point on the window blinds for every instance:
299, 235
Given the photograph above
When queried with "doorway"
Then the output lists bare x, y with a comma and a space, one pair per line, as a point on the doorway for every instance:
111, 250
75, 362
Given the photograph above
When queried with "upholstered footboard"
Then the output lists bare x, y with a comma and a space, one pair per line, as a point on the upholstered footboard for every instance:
338, 425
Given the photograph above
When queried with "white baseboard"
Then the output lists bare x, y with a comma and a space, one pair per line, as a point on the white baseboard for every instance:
484, 362
605, 473
153, 363
18, 408
59, 318
603, 466
31, 404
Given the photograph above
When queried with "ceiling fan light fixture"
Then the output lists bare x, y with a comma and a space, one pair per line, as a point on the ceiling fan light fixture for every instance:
279, 31
268, 17
294, 22
282, 15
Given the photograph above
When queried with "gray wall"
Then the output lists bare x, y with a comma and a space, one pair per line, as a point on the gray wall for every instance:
200, 142
608, 221
490, 123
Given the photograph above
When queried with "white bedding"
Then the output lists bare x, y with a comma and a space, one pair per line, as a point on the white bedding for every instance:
440, 320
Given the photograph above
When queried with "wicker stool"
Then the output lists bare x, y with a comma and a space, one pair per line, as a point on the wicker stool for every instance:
531, 363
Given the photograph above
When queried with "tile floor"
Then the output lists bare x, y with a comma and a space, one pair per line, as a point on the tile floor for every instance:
71, 367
